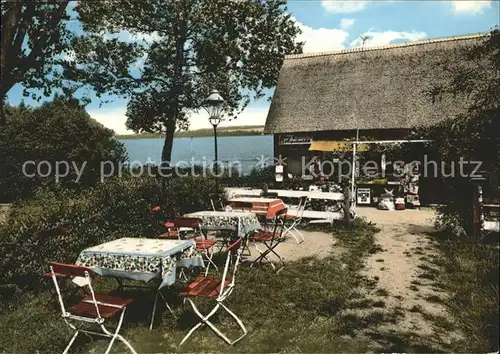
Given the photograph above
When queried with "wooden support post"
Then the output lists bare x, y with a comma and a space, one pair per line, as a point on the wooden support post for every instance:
476, 212
347, 206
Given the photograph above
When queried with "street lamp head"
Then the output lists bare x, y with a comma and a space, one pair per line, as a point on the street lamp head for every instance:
214, 120
214, 105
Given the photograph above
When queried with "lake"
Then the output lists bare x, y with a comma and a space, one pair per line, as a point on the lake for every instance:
247, 150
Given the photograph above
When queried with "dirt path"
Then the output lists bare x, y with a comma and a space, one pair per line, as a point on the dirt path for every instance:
406, 280
316, 244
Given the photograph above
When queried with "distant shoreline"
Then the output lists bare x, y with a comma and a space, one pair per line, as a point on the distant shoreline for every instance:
224, 131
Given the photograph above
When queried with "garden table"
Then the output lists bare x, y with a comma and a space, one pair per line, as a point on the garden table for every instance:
260, 206
142, 259
240, 222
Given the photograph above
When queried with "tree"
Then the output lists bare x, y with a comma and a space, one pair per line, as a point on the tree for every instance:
57, 132
40, 51
236, 47
27, 63
473, 135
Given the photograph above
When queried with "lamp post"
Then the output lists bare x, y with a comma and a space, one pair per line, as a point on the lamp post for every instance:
213, 105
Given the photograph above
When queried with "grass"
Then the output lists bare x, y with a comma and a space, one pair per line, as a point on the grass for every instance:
311, 306
438, 321
416, 309
471, 276
295, 311
378, 304
381, 292
434, 298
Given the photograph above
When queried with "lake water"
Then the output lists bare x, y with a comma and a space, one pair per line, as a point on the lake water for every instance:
248, 150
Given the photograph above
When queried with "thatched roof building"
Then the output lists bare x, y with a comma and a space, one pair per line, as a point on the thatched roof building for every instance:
372, 88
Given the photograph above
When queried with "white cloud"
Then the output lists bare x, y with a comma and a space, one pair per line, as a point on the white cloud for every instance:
383, 38
349, 6
470, 7
113, 118
346, 23
321, 39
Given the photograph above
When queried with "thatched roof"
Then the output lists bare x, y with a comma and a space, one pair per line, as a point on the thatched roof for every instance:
371, 88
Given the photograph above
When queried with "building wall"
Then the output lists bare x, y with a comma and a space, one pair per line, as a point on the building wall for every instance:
294, 147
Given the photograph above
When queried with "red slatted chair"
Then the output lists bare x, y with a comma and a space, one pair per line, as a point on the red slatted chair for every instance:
93, 308
203, 245
210, 287
171, 233
271, 240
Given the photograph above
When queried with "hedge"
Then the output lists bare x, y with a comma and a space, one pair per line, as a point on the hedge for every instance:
58, 224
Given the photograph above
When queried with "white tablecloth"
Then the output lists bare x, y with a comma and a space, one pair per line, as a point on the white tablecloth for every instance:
242, 222
141, 259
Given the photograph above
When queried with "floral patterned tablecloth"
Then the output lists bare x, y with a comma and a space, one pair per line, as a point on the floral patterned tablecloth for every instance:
242, 222
141, 259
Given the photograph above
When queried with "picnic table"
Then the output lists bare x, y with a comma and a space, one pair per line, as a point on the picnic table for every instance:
284, 193
141, 259
260, 206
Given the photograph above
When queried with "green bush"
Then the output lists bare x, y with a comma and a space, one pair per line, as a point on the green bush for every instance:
58, 224
55, 132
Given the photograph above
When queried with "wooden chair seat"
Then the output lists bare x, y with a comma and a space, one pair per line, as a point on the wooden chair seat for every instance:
204, 244
86, 307
172, 234
48, 275
262, 236
204, 286
110, 299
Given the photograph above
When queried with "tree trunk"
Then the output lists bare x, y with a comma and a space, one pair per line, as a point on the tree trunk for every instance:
3, 119
170, 124
166, 153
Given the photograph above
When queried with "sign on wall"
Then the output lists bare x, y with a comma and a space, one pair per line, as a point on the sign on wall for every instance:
291, 139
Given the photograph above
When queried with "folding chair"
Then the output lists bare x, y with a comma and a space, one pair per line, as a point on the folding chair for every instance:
172, 232
169, 226
93, 308
217, 204
203, 245
213, 288
293, 218
271, 240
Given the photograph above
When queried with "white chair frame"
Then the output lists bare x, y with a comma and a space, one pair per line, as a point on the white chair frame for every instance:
271, 245
99, 320
223, 294
292, 228
199, 232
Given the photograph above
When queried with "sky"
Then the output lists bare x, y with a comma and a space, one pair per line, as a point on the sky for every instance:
329, 25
